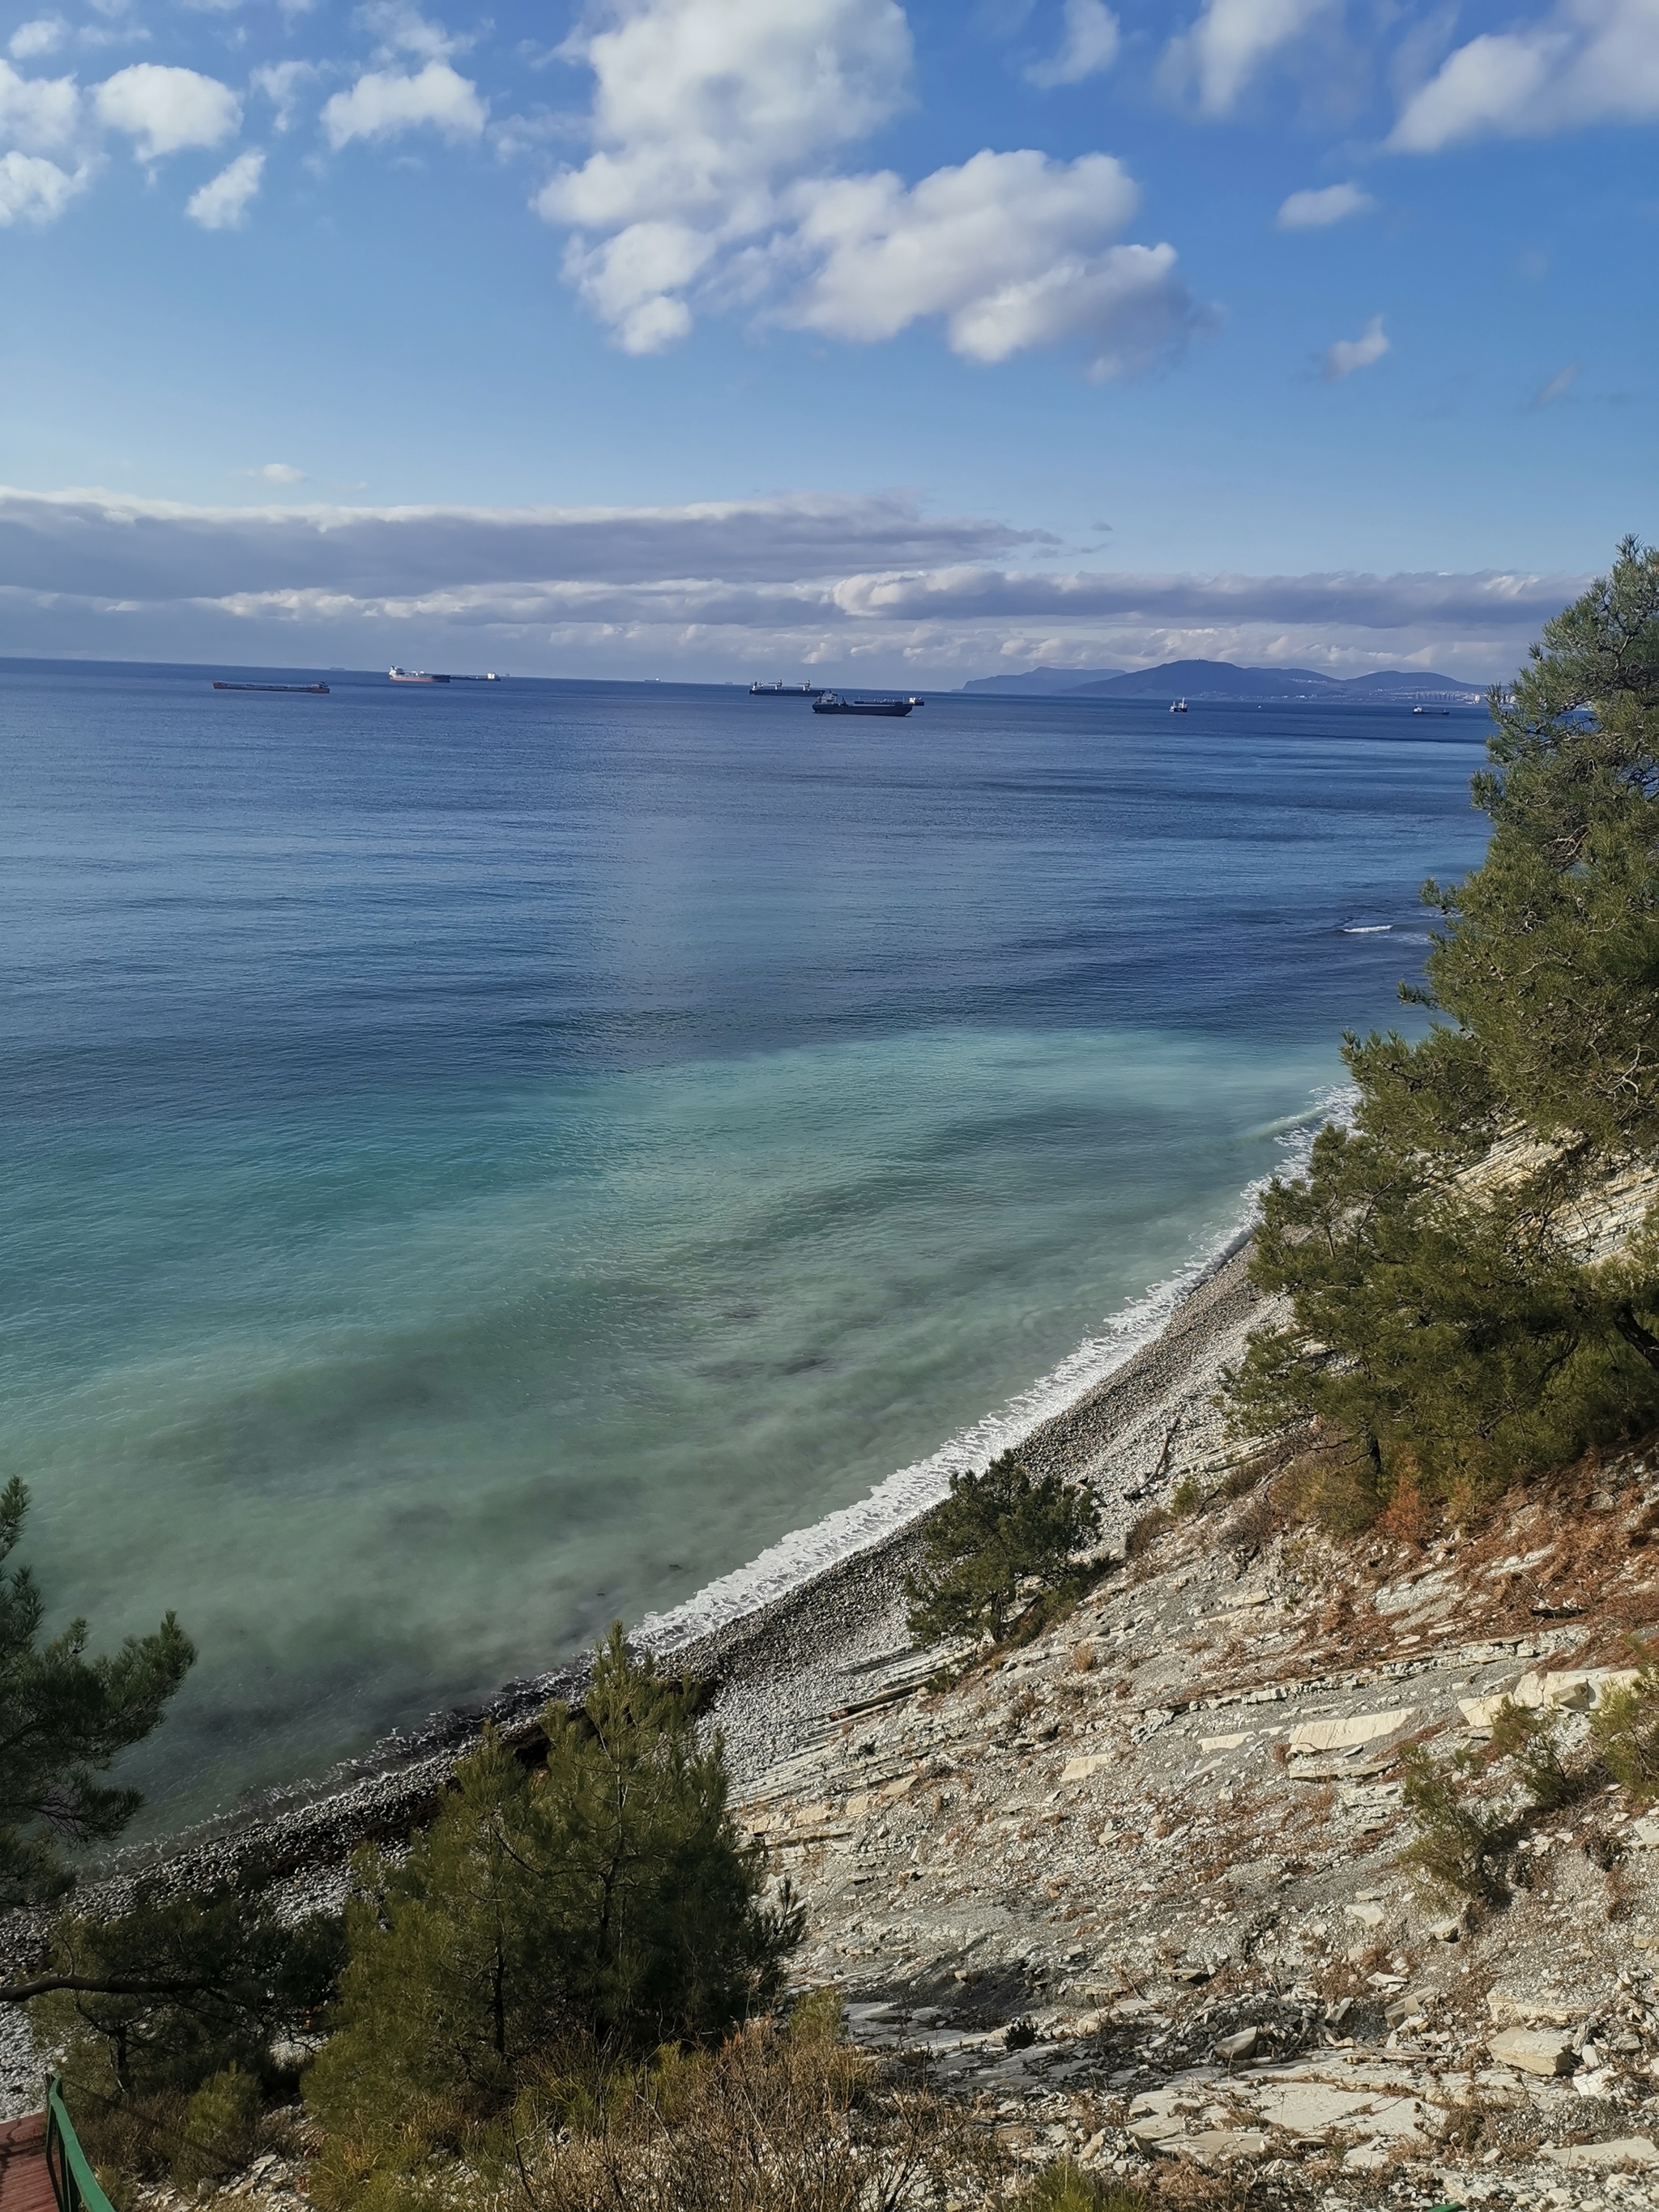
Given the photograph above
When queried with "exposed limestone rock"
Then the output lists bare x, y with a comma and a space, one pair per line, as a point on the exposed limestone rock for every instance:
1534, 2050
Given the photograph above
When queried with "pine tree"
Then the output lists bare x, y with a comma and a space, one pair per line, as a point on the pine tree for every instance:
183, 1984
64, 1718
993, 1533
607, 1900
1449, 1324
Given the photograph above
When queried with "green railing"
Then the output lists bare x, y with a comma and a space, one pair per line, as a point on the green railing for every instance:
73, 2184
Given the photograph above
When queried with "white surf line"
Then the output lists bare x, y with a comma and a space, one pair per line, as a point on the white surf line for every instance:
900, 1497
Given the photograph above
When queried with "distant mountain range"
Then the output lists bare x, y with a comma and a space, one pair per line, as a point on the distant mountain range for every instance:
1041, 682
1224, 679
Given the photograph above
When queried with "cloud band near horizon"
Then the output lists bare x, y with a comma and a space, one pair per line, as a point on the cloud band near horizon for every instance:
713, 590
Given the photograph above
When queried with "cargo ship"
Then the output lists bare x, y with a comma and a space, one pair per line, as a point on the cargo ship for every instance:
311, 688
786, 691
832, 703
414, 676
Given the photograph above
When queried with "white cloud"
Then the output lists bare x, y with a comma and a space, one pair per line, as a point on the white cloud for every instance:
43, 36
711, 120
1318, 210
715, 590
702, 111
1349, 354
1229, 42
34, 189
223, 204
404, 30
384, 102
699, 106
1558, 385
280, 82
100, 543
279, 472
1587, 61
164, 110
37, 113
1089, 46
1010, 249
1346, 600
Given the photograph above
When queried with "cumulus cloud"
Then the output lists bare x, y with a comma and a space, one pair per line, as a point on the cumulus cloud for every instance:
1318, 210
701, 108
711, 122
1009, 249
1349, 354
1230, 43
1089, 46
164, 110
384, 102
37, 113
34, 189
1587, 61
43, 36
223, 204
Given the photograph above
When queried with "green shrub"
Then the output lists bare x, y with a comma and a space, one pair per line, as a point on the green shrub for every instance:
1625, 1730
995, 1534
222, 2129
1460, 1837
1065, 2187
1457, 1840
817, 2016
1187, 1497
1528, 1738
608, 1901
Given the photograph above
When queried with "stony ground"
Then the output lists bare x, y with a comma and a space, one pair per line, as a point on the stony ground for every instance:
1134, 1888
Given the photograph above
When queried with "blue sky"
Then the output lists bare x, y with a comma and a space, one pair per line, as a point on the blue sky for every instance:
720, 337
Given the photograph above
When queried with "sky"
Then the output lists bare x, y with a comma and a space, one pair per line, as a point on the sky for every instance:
723, 338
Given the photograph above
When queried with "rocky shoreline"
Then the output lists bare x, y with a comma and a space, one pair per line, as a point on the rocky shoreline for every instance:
778, 1676
776, 1670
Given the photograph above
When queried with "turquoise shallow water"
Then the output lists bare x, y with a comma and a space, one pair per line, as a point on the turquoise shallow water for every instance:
484, 1162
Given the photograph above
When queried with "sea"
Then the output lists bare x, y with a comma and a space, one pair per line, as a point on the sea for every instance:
486, 1160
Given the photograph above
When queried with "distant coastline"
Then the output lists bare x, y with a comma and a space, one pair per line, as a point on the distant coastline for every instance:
1228, 680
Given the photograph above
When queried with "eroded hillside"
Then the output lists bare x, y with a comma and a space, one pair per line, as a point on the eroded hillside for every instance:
1134, 1888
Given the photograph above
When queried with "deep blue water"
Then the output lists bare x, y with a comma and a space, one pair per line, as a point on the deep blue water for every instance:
483, 1160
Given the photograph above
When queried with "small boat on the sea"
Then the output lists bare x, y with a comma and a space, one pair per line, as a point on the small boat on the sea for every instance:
415, 676
832, 703
1178, 707
312, 688
786, 691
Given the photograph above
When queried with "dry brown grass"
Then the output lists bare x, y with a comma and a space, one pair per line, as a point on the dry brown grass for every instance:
774, 2121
